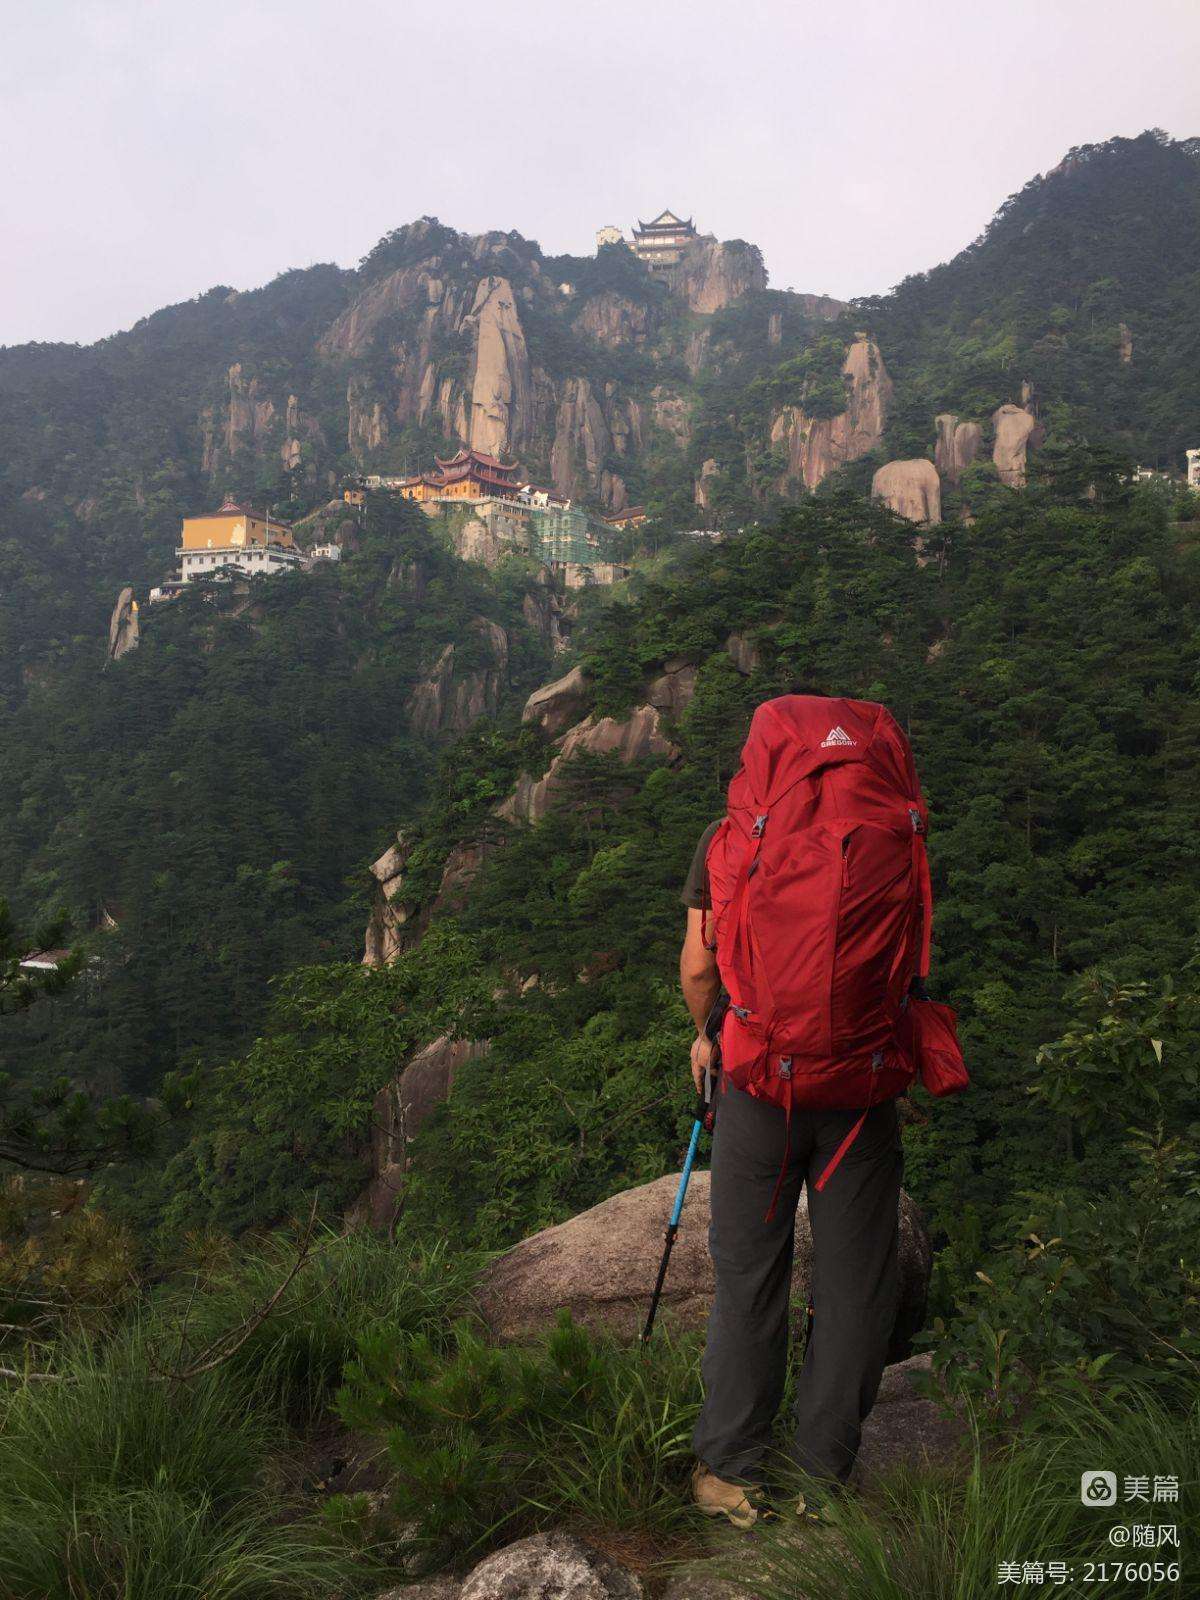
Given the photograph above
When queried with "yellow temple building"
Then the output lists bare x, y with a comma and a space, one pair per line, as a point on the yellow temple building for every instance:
235, 537
469, 475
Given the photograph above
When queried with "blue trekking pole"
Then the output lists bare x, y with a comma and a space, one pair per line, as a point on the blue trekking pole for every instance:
705, 1116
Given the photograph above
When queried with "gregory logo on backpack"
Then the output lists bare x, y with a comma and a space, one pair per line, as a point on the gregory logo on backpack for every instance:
836, 736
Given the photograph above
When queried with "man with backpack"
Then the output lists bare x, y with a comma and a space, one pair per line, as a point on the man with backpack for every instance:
809, 903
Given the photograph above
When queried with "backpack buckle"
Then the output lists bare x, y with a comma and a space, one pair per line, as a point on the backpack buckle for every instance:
785, 1066
760, 823
914, 816
740, 1011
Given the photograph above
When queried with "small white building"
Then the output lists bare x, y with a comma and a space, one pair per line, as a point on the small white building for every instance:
327, 552
1193, 470
608, 235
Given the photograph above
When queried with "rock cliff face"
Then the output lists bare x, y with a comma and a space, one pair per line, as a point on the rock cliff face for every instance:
450, 698
638, 735
712, 275
958, 444
912, 489
1013, 427
123, 626
559, 705
390, 911
502, 389
481, 340
399, 1110
816, 445
614, 319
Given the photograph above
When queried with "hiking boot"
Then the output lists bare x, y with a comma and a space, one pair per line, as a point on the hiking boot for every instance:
742, 1504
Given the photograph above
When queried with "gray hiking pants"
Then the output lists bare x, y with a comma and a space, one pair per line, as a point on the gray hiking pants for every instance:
855, 1283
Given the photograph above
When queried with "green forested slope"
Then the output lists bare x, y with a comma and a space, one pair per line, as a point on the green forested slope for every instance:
1043, 662
219, 791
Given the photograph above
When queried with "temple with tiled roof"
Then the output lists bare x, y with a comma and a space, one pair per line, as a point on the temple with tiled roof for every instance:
661, 243
469, 475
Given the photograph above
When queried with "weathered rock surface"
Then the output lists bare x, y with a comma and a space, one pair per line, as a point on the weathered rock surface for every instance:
712, 274
911, 489
816, 445
449, 700
582, 439
614, 319
398, 1112
551, 1566
1124, 343
557, 706
601, 1266
906, 1428
366, 420
390, 912
743, 653
1013, 427
543, 611
669, 411
123, 626
630, 738
709, 471
958, 443
671, 692
502, 388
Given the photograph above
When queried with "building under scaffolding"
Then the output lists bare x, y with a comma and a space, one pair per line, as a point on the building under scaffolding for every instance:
575, 544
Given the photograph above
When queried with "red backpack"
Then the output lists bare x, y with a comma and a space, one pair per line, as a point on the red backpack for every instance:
822, 910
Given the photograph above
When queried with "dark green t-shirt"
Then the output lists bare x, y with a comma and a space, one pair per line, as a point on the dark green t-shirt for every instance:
695, 893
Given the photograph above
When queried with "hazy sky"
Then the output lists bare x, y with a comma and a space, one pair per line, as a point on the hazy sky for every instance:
151, 151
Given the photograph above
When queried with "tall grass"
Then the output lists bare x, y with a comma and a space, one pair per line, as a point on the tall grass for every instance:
941, 1535
119, 1484
350, 1285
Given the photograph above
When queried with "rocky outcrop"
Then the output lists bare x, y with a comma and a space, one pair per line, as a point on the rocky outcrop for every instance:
123, 626
450, 699
911, 489
582, 439
366, 420
1013, 427
390, 912
670, 413
744, 654
958, 443
557, 706
1124, 343
601, 1266
416, 285
551, 1566
502, 387
816, 445
671, 692
543, 611
246, 424
397, 1115
615, 320
702, 494
631, 738
712, 274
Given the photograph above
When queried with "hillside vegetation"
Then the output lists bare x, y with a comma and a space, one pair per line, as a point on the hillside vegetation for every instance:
292, 1408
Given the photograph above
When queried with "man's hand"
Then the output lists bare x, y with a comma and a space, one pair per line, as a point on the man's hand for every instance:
702, 1051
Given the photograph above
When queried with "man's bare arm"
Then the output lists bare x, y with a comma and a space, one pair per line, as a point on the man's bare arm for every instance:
701, 984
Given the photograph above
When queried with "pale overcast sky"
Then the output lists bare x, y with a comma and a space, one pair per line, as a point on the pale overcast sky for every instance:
151, 151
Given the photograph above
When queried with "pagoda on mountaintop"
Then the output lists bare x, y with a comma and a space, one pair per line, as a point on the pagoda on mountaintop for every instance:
661, 243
